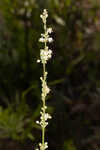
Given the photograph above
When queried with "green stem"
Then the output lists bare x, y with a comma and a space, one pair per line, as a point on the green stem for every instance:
44, 78
43, 128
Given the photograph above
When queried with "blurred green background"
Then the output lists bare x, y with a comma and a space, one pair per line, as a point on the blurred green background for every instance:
74, 74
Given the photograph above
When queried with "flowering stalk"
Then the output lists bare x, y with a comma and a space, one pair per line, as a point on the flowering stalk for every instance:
45, 55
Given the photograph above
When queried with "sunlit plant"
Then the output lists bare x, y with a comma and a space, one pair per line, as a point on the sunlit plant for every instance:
45, 55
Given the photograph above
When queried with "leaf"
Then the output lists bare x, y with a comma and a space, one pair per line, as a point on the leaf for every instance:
56, 81
59, 20
31, 137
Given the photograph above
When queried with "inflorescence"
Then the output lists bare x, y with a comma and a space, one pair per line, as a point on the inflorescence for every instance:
45, 55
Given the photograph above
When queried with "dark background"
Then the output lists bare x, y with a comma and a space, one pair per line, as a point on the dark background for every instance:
74, 74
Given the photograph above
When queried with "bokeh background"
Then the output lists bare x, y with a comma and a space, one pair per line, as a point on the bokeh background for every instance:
74, 74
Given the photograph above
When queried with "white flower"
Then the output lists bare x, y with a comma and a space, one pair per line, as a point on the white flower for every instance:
45, 55
45, 13
41, 16
41, 39
49, 53
44, 16
43, 35
41, 78
38, 61
43, 108
47, 90
46, 145
43, 146
47, 116
49, 30
50, 39
37, 122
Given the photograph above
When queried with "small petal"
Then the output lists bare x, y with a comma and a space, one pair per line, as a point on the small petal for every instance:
41, 39
37, 122
49, 30
50, 40
41, 16
38, 61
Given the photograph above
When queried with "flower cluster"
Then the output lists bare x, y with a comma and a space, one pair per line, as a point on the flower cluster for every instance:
45, 88
44, 118
44, 16
43, 146
45, 55
45, 37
